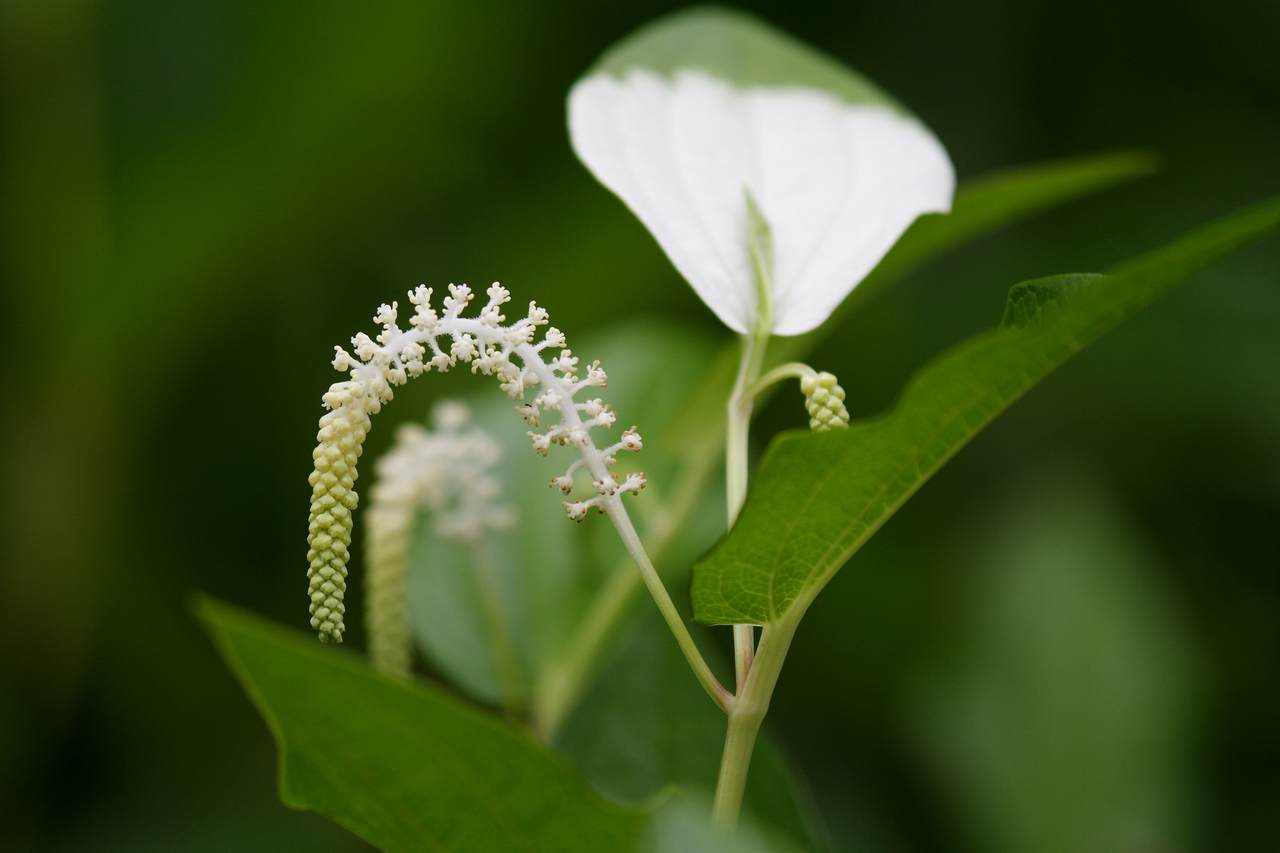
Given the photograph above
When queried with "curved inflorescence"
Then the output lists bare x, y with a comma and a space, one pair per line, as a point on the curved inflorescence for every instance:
439, 341
447, 471
824, 401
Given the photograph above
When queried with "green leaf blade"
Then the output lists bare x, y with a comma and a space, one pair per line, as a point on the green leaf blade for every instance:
407, 767
817, 498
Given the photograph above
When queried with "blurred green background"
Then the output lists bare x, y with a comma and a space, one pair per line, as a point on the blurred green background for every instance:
1068, 638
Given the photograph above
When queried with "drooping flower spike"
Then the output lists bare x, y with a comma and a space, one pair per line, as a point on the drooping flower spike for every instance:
696, 112
447, 471
510, 352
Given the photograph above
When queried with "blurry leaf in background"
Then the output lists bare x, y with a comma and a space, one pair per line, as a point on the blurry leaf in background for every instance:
647, 725
551, 569
680, 825
816, 499
1057, 716
407, 767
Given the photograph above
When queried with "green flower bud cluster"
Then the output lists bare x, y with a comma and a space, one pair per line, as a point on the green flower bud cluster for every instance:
824, 400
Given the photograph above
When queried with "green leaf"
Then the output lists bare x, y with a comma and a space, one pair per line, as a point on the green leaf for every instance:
738, 48
548, 569
404, 766
817, 498
646, 725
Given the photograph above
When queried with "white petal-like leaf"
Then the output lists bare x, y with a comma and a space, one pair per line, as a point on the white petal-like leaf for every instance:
688, 116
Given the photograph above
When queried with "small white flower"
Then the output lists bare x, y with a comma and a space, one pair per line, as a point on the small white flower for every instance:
530, 412
633, 483
450, 416
541, 442
686, 118
631, 440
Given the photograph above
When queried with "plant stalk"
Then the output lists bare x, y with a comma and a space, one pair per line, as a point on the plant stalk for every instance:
504, 655
737, 429
563, 682
745, 718
627, 532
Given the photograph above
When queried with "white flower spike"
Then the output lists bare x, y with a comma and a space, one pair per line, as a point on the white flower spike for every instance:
439, 341
686, 118
447, 471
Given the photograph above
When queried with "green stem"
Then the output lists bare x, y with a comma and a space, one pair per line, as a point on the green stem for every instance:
562, 683
564, 680
627, 532
737, 428
745, 718
790, 370
504, 655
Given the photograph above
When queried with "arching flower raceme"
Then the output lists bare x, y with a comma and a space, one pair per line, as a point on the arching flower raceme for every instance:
447, 471
509, 352
694, 113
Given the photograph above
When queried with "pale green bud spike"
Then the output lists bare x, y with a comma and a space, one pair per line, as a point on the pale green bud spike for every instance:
333, 499
824, 400
386, 561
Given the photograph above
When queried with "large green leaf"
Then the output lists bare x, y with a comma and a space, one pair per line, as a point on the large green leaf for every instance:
404, 766
817, 498
408, 768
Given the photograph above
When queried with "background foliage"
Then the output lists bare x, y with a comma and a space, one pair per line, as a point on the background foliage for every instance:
200, 198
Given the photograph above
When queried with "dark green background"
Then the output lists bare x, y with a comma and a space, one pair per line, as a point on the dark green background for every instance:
200, 198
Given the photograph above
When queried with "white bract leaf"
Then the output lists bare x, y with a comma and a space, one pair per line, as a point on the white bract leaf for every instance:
687, 117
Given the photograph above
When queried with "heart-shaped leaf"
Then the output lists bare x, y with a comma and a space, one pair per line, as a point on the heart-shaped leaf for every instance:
694, 113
